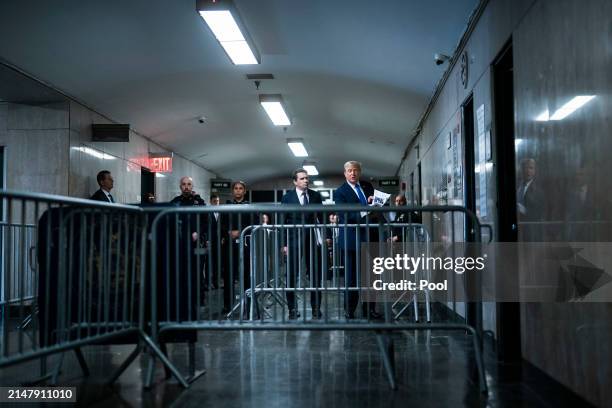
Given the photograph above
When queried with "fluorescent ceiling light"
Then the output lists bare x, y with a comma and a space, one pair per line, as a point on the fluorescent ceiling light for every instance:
318, 182
273, 104
297, 147
240, 53
222, 19
223, 25
159, 175
311, 169
570, 107
95, 153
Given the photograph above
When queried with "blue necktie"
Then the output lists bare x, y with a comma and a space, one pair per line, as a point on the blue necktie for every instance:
360, 194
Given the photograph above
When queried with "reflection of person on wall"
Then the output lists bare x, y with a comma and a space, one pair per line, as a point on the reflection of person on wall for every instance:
530, 200
582, 208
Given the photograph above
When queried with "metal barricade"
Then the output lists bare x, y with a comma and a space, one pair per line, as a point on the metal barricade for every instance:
71, 276
275, 277
411, 237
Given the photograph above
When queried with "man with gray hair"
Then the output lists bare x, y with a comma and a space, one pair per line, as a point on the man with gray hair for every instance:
356, 192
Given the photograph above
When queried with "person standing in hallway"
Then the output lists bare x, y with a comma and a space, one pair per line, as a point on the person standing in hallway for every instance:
191, 228
402, 217
236, 223
216, 242
106, 183
188, 197
357, 192
300, 241
530, 202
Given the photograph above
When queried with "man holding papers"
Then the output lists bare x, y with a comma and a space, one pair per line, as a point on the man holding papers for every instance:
354, 191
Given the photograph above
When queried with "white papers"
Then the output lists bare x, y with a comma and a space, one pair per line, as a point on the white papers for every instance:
380, 198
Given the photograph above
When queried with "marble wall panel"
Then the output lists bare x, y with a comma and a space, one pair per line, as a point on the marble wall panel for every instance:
562, 50
38, 117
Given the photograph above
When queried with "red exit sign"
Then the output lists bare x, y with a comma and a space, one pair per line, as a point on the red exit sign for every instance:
160, 164
156, 162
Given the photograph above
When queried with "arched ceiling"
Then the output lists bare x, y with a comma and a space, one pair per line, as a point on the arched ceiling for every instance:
355, 74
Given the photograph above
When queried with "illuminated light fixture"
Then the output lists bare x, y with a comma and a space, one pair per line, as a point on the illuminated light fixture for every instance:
159, 175
221, 16
297, 147
310, 168
274, 107
563, 112
95, 153
318, 183
325, 194
517, 142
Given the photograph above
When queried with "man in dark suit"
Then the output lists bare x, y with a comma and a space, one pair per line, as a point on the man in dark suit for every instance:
356, 192
300, 240
530, 203
216, 242
105, 181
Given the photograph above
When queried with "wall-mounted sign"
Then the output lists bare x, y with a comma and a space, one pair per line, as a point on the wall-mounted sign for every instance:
388, 182
221, 184
156, 162
160, 162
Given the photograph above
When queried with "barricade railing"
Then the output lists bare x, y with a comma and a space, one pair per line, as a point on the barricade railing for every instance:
17, 276
218, 268
71, 277
80, 273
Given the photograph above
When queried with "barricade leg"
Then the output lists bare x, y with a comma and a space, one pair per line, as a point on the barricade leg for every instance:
164, 349
156, 352
124, 365
58, 369
193, 374
82, 363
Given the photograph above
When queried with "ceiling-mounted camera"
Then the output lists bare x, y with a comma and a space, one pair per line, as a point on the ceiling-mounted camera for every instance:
441, 58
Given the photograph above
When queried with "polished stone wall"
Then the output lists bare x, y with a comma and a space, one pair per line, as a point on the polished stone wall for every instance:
41, 154
36, 142
562, 49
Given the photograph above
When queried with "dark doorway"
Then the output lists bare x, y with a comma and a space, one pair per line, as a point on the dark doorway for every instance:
469, 162
147, 183
2, 185
473, 315
412, 198
419, 191
508, 313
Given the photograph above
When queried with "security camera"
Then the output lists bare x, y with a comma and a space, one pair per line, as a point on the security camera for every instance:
441, 58
202, 119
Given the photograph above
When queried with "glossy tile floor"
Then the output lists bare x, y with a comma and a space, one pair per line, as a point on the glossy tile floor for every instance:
308, 369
